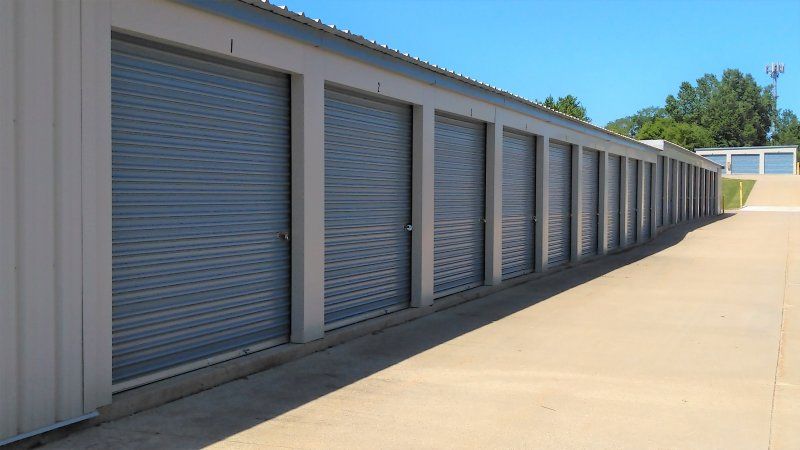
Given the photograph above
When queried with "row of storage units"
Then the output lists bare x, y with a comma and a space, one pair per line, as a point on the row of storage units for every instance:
770, 160
219, 206
202, 206
688, 192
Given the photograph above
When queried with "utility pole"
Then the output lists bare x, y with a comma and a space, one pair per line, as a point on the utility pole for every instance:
774, 70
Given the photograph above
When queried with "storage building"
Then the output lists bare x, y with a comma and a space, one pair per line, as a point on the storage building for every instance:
770, 160
206, 189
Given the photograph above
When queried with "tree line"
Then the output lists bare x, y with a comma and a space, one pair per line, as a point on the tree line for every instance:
731, 111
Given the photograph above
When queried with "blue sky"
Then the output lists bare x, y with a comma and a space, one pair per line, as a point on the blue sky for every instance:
616, 56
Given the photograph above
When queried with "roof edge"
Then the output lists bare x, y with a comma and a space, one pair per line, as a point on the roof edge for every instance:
756, 147
229, 8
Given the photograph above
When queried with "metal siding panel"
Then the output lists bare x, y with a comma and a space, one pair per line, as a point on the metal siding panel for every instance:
779, 163
200, 173
630, 212
459, 210
559, 204
519, 203
613, 207
590, 196
744, 164
367, 206
646, 200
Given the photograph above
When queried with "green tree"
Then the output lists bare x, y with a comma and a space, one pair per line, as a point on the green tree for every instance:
734, 109
630, 125
787, 129
687, 135
569, 105
691, 102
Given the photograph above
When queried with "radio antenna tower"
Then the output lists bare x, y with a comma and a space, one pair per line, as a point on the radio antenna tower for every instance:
774, 70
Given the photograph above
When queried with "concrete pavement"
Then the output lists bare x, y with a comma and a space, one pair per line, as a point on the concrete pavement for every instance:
773, 190
674, 344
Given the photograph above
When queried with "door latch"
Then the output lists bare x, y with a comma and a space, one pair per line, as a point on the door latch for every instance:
409, 227
283, 235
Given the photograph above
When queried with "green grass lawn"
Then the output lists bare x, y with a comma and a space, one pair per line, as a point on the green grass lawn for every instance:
730, 192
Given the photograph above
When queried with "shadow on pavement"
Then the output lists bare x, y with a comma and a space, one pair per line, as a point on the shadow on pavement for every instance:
221, 412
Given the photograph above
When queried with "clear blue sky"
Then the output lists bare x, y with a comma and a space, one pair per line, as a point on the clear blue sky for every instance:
615, 56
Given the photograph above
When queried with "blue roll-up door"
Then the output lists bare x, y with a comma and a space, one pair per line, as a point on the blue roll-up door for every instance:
744, 164
661, 191
459, 212
673, 191
367, 207
559, 204
719, 159
779, 163
681, 192
631, 211
519, 203
692, 191
702, 211
590, 196
200, 206
646, 199
613, 205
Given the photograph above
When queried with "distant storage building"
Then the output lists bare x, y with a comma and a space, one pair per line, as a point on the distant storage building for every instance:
206, 189
773, 160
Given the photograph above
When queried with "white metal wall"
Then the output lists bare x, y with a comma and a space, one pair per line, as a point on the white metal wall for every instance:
55, 275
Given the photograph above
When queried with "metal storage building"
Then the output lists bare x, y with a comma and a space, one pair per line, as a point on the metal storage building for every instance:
765, 160
224, 178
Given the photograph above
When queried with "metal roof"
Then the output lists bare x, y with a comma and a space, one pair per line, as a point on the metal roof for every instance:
331, 29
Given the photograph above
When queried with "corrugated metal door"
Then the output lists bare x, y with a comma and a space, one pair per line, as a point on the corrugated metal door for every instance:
559, 204
367, 207
613, 210
459, 212
590, 196
673, 191
631, 187
692, 191
719, 159
681, 191
646, 200
744, 164
714, 193
703, 191
519, 203
201, 191
661, 197
779, 163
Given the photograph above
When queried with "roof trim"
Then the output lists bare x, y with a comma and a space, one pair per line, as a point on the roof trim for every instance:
746, 148
314, 32
663, 144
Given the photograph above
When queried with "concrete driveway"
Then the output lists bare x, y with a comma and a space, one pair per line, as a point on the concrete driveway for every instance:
773, 190
676, 344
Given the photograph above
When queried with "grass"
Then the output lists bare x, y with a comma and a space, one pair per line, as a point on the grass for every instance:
730, 192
